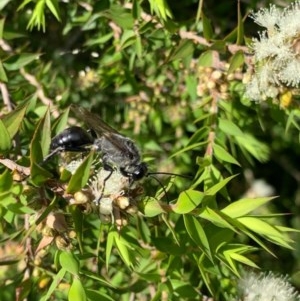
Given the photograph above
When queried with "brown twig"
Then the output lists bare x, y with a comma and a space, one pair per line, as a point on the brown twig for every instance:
39, 89
14, 166
5, 96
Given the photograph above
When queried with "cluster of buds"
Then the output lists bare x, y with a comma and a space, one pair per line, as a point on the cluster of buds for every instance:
55, 228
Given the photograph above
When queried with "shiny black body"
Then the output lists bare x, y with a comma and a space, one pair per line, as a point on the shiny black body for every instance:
72, 139
117, 151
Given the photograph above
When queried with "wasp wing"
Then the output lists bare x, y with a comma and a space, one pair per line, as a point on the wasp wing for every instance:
93, 121
102, 129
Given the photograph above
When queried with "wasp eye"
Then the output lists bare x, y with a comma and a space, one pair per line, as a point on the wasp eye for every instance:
140, 171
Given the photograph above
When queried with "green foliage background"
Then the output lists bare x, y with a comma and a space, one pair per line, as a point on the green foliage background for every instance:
169, 76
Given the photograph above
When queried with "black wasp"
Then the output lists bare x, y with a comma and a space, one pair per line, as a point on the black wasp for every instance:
117, 151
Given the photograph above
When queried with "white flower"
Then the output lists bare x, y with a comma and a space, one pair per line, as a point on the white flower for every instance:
291, 73
276, 52
266, 287
267, 18
107, 184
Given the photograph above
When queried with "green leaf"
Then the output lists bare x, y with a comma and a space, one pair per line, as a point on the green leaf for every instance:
243, 259
216, 218
197, 234
56, 280
161, 8
206, 58
259, 226
232, 253
81, 175
138, 47
256, 148
38, 16
109, 246
3, 3
188, 200
23, 4
39, 147
94, 295
122, 246
13, 120
189, 147
221, 154
128, 38
61, 123
6, 181
217, 187
98, 278
236, 61
191, 86
5, 140
3, 77
183, 50
18, 61
77, 292
25, 288
230, 128
54, 8
68, 261
205, 275
77, 218
121, 16
240, 27
41, 140
245, 206
207, 28
151, 207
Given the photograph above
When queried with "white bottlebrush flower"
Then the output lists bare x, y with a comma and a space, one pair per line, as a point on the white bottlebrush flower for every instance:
114, 195
289, 22
267, 18
291, 73
266, 287
106, 184
276, 53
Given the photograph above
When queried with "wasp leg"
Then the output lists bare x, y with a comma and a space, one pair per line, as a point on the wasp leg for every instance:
53, 153
103, 184
61, 149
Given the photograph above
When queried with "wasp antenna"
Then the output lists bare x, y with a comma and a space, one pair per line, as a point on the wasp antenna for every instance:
170, 174
161, 184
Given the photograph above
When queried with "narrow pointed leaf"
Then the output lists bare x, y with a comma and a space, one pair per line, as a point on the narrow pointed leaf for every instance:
81, 175
259, 226
223, 155
14, 119
188, 200
236, 61
18, 61
5, 140
3, 76
217, 187
244, 206
215, 218
77, 292
197, 234
56, 281
69, 262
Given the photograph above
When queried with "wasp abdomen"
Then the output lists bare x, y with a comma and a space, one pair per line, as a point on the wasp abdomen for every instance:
72, 139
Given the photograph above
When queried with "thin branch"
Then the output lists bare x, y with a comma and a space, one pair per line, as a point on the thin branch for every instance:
5, 96
39, 88
14, 166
